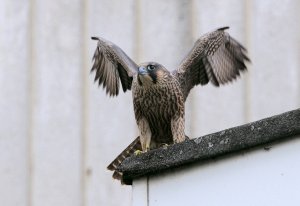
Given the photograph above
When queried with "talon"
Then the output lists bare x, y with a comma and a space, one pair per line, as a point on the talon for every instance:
164, 145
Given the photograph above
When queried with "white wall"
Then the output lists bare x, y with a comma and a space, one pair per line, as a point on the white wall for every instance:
59, 131
256, 177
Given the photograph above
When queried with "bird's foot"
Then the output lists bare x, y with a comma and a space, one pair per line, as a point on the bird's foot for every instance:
164, 145
137, 152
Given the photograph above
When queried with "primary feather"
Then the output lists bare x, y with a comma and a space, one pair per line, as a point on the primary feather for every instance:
112, 65
215, 57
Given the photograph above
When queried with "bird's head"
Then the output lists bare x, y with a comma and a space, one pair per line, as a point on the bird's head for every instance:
152, 73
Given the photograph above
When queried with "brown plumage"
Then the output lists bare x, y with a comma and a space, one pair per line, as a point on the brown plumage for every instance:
159, 95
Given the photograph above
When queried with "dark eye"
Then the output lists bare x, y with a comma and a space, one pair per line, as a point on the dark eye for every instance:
150, 67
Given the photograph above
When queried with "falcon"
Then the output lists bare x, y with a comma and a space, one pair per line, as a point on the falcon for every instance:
158, 94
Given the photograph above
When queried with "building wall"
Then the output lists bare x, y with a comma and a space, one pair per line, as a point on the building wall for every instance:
257, 177
59, 131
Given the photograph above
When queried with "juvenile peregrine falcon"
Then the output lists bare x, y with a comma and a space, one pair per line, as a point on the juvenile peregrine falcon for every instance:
159, 95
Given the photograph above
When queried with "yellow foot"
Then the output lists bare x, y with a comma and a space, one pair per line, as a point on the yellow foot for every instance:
138, 152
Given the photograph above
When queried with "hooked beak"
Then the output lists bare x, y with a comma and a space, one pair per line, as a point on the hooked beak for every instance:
143, 70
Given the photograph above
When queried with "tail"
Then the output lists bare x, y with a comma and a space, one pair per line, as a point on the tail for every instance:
135, 145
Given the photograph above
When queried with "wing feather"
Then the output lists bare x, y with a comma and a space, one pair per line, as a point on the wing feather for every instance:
112, 65
215, 57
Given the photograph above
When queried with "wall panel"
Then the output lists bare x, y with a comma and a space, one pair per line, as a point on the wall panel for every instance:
57, 103
275, 53
110, 121
14, 102
215, 108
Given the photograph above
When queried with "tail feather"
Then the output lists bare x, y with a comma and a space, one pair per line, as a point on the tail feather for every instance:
135, 145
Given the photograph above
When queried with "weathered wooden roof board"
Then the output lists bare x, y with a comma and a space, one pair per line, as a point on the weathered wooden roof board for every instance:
279, 127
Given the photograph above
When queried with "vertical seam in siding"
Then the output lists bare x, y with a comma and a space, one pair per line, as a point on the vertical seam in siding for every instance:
138, 31
298, 62
148, 198
192, 105
31, 100
247, 92
137, 53
84, 93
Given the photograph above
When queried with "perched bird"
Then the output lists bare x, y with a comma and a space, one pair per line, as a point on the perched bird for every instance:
158, 94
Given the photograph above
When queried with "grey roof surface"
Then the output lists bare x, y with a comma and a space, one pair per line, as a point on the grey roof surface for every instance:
243, 137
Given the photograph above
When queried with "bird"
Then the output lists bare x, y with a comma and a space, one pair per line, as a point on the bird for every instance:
158, 94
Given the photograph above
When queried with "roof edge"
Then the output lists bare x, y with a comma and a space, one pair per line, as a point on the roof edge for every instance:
212, 145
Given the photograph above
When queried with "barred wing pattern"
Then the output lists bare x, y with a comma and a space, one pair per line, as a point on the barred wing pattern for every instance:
215, 57
112, 65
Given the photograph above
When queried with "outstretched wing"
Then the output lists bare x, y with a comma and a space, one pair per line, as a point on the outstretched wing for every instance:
112, 65
215, 57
